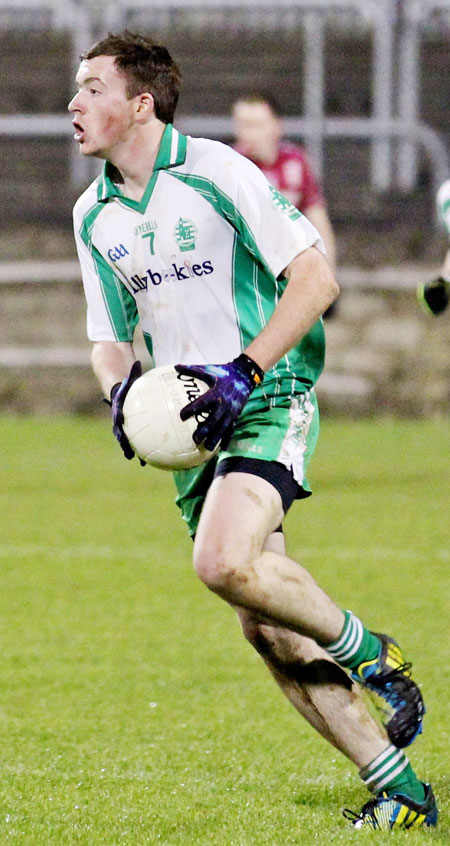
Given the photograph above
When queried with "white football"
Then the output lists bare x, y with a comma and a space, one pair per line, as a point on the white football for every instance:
152, 419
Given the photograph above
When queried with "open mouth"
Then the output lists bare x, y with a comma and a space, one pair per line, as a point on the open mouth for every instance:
79, 131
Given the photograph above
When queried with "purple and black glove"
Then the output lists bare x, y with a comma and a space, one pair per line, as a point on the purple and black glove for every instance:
118, 394
230, 386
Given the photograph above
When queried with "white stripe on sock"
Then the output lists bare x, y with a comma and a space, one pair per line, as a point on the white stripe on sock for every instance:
396, 761
348, 640
338, 643
353, 647
390, 750
352, 641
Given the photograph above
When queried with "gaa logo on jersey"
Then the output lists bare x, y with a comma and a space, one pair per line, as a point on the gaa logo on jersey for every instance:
185, 234
118, 252
280, 202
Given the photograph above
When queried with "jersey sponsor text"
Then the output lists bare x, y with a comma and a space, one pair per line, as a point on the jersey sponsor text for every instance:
173, 273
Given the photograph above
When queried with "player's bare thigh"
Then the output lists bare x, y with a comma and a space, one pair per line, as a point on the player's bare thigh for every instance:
240, 513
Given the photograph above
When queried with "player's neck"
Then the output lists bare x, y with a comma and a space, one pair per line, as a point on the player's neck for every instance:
135, 160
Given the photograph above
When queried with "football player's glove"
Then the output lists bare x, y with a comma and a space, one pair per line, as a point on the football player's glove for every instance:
434, 295
230, 386
117, 398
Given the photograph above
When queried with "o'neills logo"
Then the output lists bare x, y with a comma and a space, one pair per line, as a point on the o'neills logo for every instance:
193, 388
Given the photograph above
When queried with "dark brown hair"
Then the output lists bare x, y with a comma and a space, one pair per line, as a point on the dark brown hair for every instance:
146, 66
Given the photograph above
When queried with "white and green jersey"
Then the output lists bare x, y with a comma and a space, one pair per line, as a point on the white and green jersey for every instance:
197, 261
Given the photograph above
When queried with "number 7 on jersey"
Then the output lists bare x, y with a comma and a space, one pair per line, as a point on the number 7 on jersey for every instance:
151, 237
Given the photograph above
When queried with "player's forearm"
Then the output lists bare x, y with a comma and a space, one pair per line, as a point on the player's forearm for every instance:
111, 363
310, 290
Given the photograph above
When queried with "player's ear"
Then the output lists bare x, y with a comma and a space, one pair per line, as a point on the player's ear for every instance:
145, 106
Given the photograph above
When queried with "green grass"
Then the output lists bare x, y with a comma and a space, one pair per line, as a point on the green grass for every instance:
132, 711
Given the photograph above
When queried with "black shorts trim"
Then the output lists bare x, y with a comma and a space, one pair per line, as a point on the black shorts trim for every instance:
272, 471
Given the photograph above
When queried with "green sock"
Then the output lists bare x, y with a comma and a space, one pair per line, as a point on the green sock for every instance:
354, 645
392, 773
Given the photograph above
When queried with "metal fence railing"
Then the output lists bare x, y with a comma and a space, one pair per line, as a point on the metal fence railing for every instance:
416, 18
394, 127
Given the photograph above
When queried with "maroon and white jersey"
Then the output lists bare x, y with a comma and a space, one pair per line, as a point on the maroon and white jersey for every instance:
291, 174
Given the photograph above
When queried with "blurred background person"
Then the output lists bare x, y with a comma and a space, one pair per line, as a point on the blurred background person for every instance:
435, 294
258, 132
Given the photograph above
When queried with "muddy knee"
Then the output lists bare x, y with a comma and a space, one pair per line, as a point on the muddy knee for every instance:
222, 571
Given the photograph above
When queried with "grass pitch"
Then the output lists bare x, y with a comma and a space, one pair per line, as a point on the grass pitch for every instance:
132, 710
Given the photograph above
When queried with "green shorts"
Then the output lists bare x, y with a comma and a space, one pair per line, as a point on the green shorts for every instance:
287, 435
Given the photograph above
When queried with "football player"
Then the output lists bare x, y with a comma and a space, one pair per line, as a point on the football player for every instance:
188, 237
